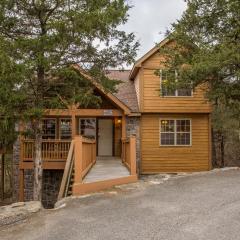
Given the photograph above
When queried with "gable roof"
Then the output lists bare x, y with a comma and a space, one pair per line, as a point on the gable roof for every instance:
126, 92
98, 86
139, 62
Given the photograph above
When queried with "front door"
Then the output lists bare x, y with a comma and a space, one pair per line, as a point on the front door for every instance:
105, 137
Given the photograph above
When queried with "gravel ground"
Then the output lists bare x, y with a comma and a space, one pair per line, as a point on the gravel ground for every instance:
196, 206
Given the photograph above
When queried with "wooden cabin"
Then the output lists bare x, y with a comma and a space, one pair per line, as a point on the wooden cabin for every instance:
135, 131
175, 125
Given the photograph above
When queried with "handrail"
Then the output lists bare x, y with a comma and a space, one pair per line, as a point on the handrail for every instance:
85, 157
67, 173
129, 154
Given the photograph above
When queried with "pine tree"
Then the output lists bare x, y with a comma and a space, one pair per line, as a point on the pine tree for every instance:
207, 51
48, 36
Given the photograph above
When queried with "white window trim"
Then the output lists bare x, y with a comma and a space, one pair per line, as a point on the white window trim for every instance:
176, 90
175, 132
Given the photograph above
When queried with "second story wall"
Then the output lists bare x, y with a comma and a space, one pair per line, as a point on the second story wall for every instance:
148, 88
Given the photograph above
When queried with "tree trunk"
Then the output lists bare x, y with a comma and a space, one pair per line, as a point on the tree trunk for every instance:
222, 151
2, 176
37, 187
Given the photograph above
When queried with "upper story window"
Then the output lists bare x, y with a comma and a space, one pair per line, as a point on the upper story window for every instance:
169, 88
175, 132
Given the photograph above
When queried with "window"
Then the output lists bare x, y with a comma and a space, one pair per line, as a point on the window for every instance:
65, 128
49, 128
87, 127
169, 88
175, 132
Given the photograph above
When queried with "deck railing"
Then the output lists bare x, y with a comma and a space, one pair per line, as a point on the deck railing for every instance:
85, 157
129, 154
52, 150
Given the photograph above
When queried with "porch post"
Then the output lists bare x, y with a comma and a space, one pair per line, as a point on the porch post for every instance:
123, 126
74, 132
78, 159
132, 146
21, 185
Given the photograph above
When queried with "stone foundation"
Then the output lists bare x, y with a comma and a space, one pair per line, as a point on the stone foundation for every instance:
133, 128
15, 170
50, 188
51, 185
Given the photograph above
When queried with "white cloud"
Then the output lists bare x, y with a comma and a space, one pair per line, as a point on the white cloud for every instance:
149, 20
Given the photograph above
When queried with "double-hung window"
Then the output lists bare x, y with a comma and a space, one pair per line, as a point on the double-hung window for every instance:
169, 86
175, 132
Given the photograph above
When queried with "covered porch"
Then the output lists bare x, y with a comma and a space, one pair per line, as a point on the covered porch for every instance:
89, 145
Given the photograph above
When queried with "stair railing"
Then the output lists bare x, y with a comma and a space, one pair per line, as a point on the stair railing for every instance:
129, 154
67, 173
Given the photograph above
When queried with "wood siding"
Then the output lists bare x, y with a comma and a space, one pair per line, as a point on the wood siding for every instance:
154, 102
156, 158
137, 87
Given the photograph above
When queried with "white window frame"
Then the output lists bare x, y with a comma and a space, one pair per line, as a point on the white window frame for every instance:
176, 90
175, 132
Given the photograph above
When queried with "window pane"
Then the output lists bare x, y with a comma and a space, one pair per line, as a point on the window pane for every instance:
49, 128
183, 125
88, 127
183, 138
167, 138
66, 128
167, 125
184, 92
168, 83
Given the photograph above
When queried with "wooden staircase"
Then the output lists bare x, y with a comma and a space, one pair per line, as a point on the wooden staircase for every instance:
105, 174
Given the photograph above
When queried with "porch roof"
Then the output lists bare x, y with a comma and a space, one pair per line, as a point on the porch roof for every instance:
109, 95
125, 97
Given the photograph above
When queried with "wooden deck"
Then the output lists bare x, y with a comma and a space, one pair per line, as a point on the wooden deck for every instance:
106, 168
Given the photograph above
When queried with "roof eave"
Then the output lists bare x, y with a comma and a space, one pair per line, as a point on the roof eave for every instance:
139, 62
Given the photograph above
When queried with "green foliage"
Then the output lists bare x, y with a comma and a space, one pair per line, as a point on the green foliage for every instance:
45, 38
207, 49
11, 97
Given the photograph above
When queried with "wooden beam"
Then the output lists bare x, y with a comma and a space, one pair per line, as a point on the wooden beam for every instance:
132, 143
74, 132
123, 127
78, 154
210, 142
46, 165
21, 185
84, 112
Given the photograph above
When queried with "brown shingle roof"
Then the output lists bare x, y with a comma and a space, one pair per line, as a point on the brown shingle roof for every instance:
126, 90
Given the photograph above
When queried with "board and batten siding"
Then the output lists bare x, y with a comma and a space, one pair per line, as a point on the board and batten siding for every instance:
152, 101
167, 159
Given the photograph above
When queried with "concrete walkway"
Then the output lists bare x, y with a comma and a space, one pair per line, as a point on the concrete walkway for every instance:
106, 168
196, 207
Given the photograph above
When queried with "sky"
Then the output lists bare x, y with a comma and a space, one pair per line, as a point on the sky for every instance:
149, 20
